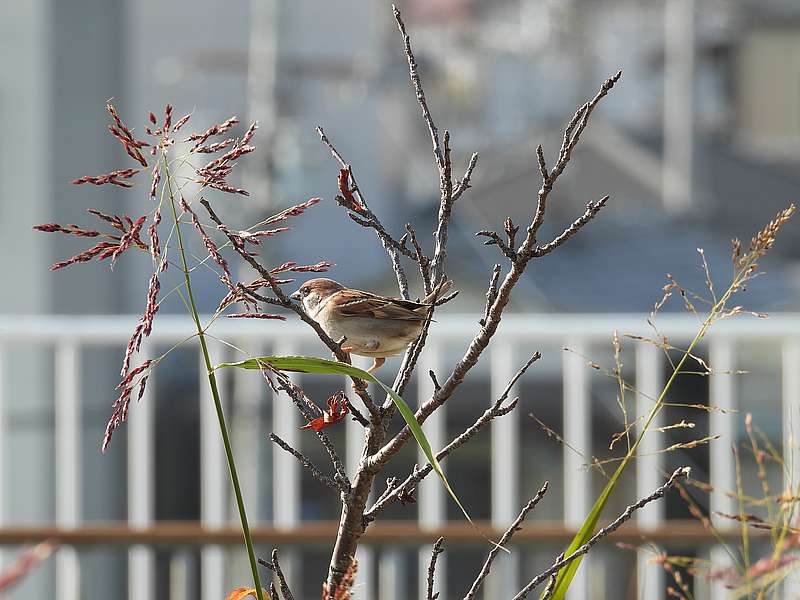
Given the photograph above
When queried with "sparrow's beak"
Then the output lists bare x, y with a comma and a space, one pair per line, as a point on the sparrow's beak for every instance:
295, 295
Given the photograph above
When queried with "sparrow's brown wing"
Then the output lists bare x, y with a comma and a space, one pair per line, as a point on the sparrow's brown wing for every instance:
355, 303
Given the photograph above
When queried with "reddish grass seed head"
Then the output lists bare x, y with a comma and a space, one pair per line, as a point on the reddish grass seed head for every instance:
113, 178
200, 138
155, 177
167, 118
125, 136
292, 211
127, 240
248, 135
320, 267
69, 229
99, 251
215, 147
181, 122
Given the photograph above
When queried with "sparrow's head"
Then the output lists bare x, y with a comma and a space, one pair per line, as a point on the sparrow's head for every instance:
312, 293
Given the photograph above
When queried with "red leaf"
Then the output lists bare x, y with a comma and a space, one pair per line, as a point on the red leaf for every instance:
337, 410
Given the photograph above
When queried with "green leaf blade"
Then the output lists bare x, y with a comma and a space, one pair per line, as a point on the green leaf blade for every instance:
567, 574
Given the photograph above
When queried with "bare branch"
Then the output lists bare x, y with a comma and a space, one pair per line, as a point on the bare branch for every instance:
276, 567
357, 416
491, 293
324, 479
437, 550
551, 584
441, 152
511, 232
572, 135
445, 214
435, 381
515, 526
542, 163
393, 247
495, 410
377, 452
481, 339
302, 401
422, 260
420, 93
372, 223
592, 208
496, 240
610, 528
463, 185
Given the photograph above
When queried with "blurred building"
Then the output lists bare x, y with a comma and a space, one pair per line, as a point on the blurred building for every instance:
699, 142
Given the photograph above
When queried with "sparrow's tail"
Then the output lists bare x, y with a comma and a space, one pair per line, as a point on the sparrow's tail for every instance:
439, 291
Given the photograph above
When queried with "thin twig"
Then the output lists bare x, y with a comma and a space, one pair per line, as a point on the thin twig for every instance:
592, 208
273, 591
496, 240
437, 550
551, 584
419, 92
445, 212
422, 260
572, 135
515, 526
276, 567
441, 153
324, 479
491, 293
542, 163
495, 410
463, 184
357, 416
393, 247
435, 381
302, 401
610, 528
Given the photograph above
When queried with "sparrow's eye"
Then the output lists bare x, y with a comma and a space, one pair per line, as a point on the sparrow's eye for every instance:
304, 291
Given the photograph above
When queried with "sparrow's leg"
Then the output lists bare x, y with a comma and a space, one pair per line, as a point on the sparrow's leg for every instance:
376, 364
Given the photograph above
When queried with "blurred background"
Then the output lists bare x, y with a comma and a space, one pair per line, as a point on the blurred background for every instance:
698, 143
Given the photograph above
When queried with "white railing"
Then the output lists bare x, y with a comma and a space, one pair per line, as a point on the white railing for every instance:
69, 335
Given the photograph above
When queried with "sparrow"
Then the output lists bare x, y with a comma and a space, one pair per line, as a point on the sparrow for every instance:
370, 325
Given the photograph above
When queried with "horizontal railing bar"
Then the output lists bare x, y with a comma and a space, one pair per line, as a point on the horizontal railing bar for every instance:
396, 532
541, 327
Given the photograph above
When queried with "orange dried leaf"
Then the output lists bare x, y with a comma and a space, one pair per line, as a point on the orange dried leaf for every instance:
241, 593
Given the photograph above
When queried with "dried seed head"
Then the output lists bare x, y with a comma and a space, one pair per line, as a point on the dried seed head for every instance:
248, 135
155, 178
292, 211
127, 240
181, 122
764, 239
114, 178
121, 404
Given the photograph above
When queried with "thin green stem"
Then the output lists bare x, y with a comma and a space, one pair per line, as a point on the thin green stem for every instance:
565, 576
212, 382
